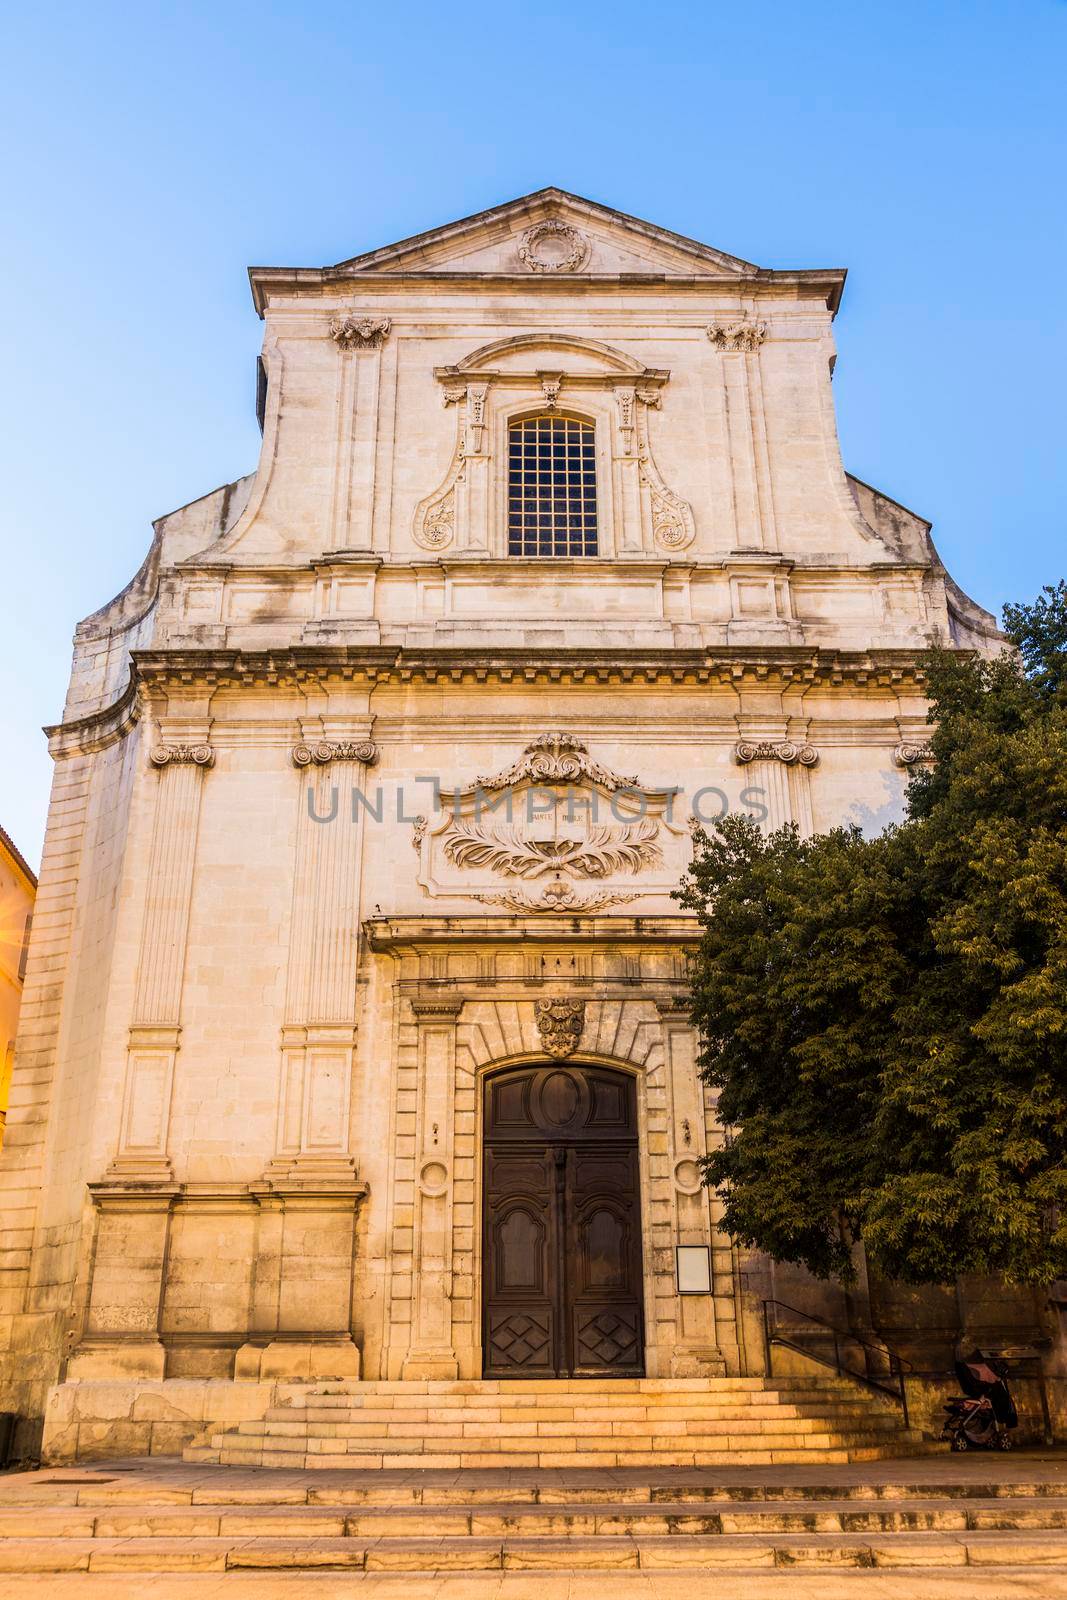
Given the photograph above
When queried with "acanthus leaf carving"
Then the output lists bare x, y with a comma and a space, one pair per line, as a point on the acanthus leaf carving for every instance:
359, 332
744, 334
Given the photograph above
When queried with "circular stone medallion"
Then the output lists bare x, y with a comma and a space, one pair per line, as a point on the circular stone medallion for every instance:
554, 247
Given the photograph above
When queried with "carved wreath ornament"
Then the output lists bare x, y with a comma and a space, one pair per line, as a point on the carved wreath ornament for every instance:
560, 1024
553, 247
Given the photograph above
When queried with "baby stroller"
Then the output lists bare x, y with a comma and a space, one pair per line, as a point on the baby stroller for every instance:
982, 1417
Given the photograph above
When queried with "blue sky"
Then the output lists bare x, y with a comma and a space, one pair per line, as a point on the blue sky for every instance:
154, 152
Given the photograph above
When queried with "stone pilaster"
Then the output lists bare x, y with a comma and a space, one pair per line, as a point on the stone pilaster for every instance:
780, 769
696, 1350
155, 1028
305, 1251
432, 1353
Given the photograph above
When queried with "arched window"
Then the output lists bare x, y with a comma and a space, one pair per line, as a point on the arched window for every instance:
551, 487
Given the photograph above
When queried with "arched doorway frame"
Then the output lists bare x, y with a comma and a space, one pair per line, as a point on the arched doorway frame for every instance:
444, 1043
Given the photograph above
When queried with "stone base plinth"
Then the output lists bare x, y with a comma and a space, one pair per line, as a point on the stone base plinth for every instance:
88, 1420
117, 1359
295, 1359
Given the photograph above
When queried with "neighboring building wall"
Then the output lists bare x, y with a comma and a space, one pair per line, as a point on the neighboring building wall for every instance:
18, 888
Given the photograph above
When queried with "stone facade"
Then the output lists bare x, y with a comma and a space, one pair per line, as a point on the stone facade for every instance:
285, 927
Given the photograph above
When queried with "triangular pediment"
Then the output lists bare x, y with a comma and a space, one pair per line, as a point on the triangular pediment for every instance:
550, 234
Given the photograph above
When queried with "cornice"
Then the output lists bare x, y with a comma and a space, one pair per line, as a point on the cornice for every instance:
412, 934
825, 284
97, 730
298, 666
732, 665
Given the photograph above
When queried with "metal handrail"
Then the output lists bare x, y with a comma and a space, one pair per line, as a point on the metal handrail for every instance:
896, 1389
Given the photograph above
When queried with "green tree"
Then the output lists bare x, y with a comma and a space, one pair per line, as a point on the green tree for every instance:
886, 1019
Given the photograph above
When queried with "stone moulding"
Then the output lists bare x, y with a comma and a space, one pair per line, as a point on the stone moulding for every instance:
353, 332
165, 755
560, 1024
324, 751
788, 751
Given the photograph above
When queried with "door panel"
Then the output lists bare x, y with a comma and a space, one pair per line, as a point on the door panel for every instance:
562, 1224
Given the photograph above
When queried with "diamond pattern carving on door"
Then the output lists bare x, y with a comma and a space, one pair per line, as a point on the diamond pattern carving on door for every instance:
520, 1341
606, 1340
562, 1276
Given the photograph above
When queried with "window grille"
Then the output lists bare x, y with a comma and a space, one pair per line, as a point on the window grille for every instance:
551, 487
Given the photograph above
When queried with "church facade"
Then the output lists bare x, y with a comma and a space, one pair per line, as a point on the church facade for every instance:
355, 1040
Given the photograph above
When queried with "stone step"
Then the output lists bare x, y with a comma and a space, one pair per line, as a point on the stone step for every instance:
603, 1553
548, 1460
576, 1519
577, 1428
495, 1415
41, 1493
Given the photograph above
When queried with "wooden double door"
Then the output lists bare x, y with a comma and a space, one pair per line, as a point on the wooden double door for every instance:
562, 1272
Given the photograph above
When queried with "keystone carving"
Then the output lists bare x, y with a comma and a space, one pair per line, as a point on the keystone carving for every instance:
741, 335
165, 755
909, 755
786, 750
322, 753
359, 333
560, 1024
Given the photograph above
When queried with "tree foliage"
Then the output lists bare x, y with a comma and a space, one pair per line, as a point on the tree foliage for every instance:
886, 1019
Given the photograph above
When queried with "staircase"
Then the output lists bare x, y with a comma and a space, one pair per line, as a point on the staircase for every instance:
628, 1422
159, 1517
